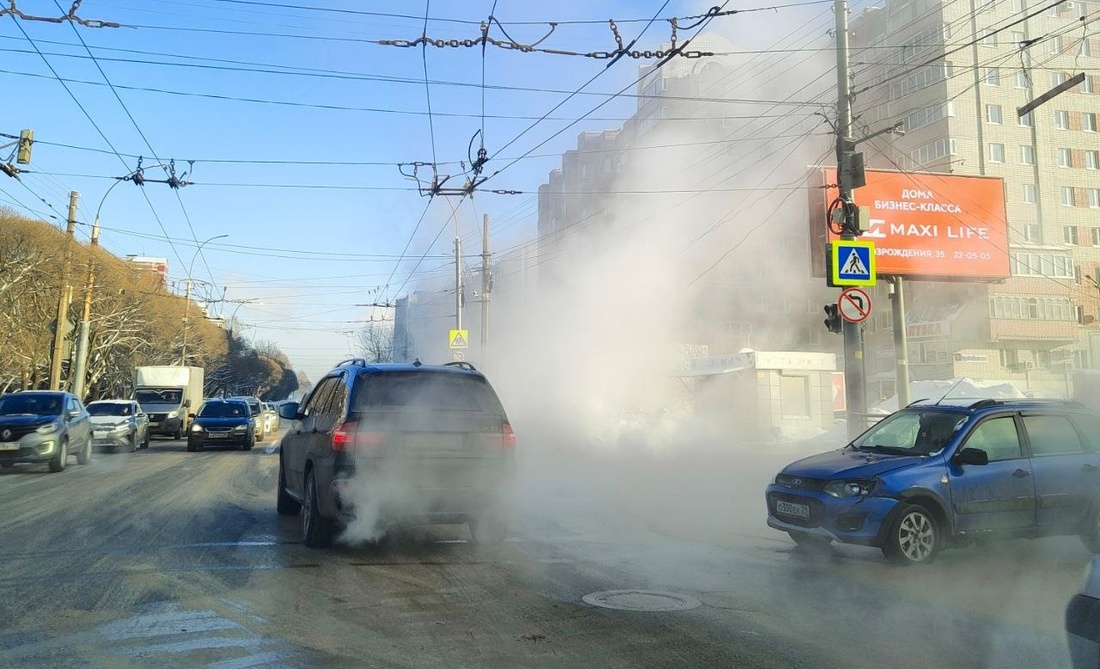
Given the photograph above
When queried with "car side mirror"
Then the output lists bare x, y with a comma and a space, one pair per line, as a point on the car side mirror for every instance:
972, 456
190, 415
74, 413
289, 411
187, 403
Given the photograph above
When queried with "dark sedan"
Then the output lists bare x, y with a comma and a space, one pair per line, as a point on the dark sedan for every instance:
222, 423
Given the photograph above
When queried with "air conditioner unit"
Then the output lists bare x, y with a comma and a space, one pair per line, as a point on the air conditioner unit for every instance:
1067, 7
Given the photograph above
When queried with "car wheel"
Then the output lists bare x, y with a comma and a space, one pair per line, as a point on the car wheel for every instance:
1090, 536
62, 458
488, 529
809, 541
316, 529
145, 441
250, 444
191, 448
284, 503
133, 441
179, 434
914, 538
84, 455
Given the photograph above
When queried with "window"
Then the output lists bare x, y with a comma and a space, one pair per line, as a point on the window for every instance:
1033, 233
940, 148
1032, 308
1086, 85
1056, 42
1058, 78
1021, 79
1065, 158
1061, 120
1067, 196
1094, 198
1083, 48
1041, 263
1092, 160
1026, 121
1052, 435
997, 437
1090, 426
1027, 154
1017, 6
1069, 235
1017, 35
988, 38
1088, 122
1031, 193
928, 115
996, 153
993, 114
1096, 236
992, 76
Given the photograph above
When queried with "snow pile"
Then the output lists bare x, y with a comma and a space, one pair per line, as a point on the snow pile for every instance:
959, 389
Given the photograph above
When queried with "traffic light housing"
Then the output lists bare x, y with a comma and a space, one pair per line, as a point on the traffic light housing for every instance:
26, 141
833, 322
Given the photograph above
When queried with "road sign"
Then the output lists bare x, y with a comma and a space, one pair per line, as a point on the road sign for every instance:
459, 338
458, 356
852, 263
855, 305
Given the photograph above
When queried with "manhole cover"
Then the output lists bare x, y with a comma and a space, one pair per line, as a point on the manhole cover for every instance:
641, 600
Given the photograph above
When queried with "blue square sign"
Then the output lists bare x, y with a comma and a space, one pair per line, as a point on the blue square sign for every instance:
852, 263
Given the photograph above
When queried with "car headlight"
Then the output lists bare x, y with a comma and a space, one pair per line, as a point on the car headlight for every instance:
174, 414
240, 428
857, 488
121, 427
196, 428
49, 428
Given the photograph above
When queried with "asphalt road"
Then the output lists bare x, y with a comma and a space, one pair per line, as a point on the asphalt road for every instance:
164, 558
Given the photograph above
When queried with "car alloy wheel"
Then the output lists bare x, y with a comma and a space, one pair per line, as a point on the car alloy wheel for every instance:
915, 537
316, 529
58, 463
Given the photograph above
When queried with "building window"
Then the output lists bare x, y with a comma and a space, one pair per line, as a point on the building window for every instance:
1044, 263
1067, 196
1092, 160
988, 38
1021, 79
1032, 308
928, 115
992, 76
1065, 158
993, 114
941, 148
1088, 122
1026, 121
1056, 42
1083, 48
1086, 85
1033, 233
1096, 236
996, 153
1027, 154
1031, 193
1018, 6
1058, 78
1061, 120
1094, 198
1069, 235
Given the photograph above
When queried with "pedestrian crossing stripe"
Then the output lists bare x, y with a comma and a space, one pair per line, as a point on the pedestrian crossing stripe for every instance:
459, 339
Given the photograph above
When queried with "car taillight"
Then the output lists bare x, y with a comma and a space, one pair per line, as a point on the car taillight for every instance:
347, 439
509, 436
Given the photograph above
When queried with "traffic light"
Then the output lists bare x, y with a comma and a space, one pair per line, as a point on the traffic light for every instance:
833, 322
26, 140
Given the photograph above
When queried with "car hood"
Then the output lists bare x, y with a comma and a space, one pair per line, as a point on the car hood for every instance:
221, 422
848, 464
26, 420
108, 421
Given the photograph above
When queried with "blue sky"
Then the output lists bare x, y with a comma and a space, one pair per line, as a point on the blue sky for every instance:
304, 256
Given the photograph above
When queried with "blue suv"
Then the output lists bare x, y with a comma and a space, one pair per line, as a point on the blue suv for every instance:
938, 473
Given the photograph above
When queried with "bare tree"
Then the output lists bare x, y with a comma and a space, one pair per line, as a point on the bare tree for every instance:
376, 342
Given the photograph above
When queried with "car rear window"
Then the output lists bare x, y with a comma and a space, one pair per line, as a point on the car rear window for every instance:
433, 391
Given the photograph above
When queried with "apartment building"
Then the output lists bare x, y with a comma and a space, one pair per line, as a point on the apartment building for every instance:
953, 74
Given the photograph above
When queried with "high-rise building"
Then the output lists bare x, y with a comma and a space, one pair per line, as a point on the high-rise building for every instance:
953, 74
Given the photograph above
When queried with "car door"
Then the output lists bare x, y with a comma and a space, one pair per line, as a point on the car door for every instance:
1066, 469
80, 424
297, 440
999, 495
141, 419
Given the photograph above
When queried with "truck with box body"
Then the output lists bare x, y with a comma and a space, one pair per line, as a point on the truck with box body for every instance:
168, 394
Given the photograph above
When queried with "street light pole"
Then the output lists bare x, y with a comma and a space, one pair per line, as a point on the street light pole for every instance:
187, 296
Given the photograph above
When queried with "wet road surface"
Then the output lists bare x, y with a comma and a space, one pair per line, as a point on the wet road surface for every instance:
164, 558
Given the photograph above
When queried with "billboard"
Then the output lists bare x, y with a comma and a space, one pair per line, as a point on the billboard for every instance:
925, 225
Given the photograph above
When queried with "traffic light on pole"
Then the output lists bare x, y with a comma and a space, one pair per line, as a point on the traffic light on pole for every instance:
23, 153
832, 318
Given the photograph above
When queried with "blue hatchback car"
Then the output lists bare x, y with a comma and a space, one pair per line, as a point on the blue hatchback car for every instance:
941, 473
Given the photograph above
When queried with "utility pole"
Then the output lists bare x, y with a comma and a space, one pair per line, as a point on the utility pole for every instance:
485, 286
854, 378
901, 341
80, 369
186, 310
458, 283
65, 297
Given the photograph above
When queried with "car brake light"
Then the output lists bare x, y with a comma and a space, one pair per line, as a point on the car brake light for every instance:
509, 435
347, 439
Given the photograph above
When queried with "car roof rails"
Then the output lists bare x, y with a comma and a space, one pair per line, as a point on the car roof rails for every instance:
362, 362
462, 364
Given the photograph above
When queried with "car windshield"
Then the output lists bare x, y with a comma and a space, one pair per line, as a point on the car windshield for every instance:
911, 432
109, 409
430, 391
166, 396
223, 410
41, 405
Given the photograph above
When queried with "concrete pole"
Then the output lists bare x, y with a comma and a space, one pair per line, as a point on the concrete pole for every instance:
458, 283
901, 341
854, 378
65, 297
80, 369
186, 311
484, 287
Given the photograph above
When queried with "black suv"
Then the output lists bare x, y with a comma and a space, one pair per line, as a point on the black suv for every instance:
409, 442
44, 426
222, 423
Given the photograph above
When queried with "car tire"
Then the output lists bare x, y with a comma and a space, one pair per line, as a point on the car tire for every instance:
179, 434
488, 530
913, 538
191, 448
1090, 535
145, 442
57, 464
809, 541
284, 503
250, 444
133, 442
316, 529
84, 455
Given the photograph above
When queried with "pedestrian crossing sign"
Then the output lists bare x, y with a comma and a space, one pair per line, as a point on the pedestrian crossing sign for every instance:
852, 263
460, 338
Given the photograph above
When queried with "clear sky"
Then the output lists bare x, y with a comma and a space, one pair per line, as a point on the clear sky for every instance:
304, 256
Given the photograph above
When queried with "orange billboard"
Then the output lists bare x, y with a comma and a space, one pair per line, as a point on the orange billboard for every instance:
928, 225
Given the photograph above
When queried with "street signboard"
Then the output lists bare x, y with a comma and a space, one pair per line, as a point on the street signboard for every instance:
852, 263
854, 304
929, 226
459, 338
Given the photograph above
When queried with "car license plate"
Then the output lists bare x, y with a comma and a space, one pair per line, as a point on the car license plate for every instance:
790, 509
9, 447
154, 424
100, 433
217, 435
